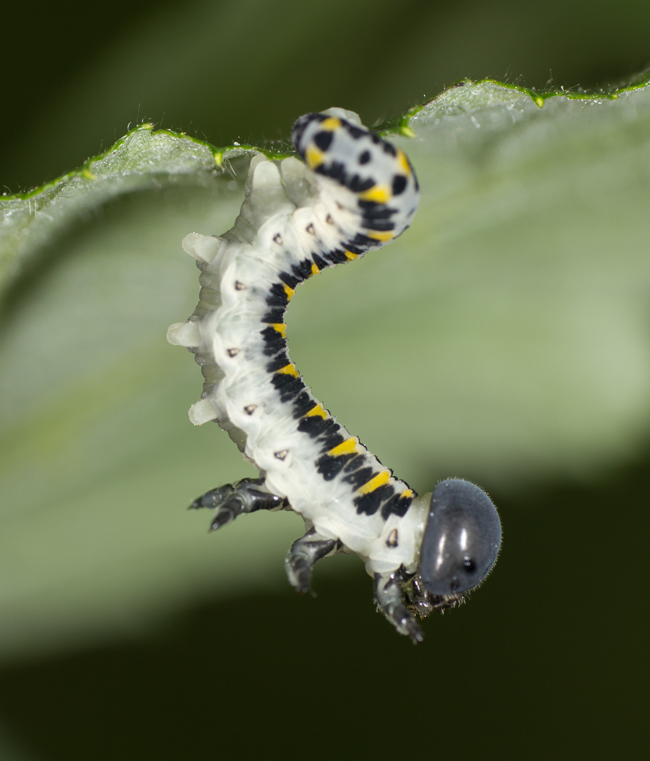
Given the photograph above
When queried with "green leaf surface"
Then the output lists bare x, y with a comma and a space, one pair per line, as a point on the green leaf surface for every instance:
503, 338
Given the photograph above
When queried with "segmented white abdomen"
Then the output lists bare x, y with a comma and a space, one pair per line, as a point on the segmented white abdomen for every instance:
355, 192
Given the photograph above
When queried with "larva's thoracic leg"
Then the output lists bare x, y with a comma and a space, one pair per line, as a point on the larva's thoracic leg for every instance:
304, 553
231, 500
388, 593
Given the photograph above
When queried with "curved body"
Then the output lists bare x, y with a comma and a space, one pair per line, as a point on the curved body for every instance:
353, 193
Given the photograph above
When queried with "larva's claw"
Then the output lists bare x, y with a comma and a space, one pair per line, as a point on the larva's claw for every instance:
390, 601
231, 500
299, 573
304, 553
413, 631
213, 499
225, 515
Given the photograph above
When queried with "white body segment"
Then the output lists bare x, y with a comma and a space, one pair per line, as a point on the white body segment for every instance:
296, 220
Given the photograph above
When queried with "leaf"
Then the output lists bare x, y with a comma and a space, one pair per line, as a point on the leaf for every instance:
503, 338
142, 159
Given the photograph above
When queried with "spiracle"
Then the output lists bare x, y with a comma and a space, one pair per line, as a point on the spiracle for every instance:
351, 193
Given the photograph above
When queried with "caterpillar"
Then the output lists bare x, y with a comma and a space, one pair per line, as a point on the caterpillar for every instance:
349, 192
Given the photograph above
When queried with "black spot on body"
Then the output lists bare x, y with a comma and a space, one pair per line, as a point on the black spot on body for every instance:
363, 241
288, 386
399, 184
356, 462
374, 210
396, 505
277, 363
359, 477
302, 270
355, 249
274, 316
364, 158
312, 425
357, 185
356, 132
378, 224
277, 296
337, 256
301, 125
335, 170
329, 442
274, 341
320, 263
368, 504
315, 426
302, 404
329, 466
390, 149
323, 140
330, 428
290, 280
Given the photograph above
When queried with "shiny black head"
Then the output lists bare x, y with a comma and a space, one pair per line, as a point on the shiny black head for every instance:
461, 539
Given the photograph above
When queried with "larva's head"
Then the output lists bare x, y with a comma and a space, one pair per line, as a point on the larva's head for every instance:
461, 540
380, 175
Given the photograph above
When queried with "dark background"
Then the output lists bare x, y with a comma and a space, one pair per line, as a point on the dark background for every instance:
549, 660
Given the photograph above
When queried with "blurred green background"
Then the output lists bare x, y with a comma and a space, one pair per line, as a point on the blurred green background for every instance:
508, 331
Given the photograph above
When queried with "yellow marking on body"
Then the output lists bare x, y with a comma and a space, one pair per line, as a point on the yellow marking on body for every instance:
317, 410
378, 194
348, 446
406, 494
289, 369
383, 237
313, 156
350, 256
379, 480
288, 291
314, 269
403, 162
330, 124
281, 328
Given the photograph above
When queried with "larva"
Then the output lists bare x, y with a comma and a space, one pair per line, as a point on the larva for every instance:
351, 193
